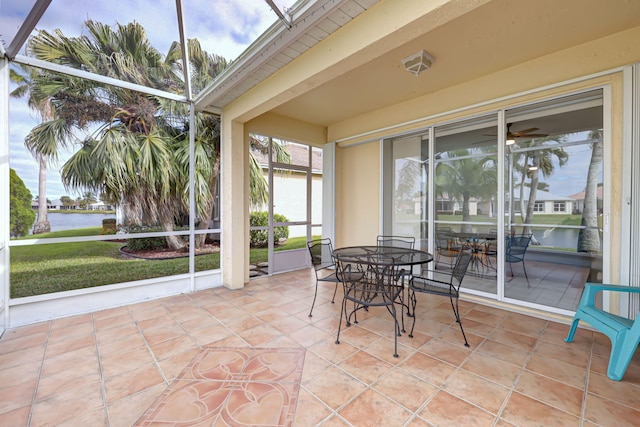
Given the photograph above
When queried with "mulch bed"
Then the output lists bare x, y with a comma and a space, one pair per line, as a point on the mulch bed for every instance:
166, 253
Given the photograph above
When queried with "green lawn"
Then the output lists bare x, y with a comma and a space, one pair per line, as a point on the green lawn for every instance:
42, 269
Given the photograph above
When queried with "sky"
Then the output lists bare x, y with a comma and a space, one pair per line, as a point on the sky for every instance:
223, 27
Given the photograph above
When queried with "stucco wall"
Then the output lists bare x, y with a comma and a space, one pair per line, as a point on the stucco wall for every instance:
358, 195
518, 79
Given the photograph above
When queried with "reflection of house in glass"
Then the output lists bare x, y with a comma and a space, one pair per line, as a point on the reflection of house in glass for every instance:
546, 202
578, 204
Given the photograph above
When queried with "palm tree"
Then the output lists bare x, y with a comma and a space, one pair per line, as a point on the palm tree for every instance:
139, 154
26, 80
589, 236
530, 164
463, 176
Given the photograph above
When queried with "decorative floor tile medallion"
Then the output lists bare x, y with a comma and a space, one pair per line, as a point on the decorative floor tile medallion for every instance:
232, 387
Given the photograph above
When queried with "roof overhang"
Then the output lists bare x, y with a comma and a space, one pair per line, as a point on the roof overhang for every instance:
310, 22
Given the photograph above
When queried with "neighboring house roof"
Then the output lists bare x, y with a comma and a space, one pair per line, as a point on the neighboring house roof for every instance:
299, 156
580, 195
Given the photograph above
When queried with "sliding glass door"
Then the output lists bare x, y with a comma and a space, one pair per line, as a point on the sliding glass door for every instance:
451, 185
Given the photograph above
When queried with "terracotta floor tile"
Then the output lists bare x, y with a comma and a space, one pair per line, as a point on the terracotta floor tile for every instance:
59, 334
418, 422
313, 365
110, 347
445, 351
560, 371
23, 331
131, 382
68, 360
70, 404
16, 396
25, 373
309, 335
15, 358
125, 412
172, 366
364, 366
70, 344
491, 368
477, 390
405, 388
503, 352
289, 324
122, 362
525, 411
515, 339
563, 352
159, 335
453, 335
476, 327
80, 374
382, 348
260, 334
553, 393
485, 316
335, 352
526, 325
172, 347
66, 323
16, 417
619, 391
447, 410
21, 343
271, 315
95, 418
428, 368
106, 323
602, 411
310, 410
373, 409
335, 387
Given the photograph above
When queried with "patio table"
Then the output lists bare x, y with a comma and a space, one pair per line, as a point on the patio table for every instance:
378, 284
383, 254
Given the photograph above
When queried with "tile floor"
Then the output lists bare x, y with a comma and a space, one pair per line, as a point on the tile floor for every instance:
124, 366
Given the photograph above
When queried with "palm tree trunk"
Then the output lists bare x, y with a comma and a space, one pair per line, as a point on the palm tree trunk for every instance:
42, 224
589, 237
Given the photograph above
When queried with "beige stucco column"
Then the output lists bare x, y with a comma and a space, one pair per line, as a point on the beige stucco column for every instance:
234, 199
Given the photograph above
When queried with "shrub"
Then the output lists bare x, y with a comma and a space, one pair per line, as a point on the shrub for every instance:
109, 226
259, 238
145, 243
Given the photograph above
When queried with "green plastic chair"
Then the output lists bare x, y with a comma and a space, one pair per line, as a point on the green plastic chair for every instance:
624, 333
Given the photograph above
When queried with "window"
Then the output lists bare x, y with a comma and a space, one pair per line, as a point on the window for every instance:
559, 206
538, 207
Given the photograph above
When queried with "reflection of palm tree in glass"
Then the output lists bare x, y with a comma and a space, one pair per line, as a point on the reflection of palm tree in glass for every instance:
460, 176
589, 237
530, 164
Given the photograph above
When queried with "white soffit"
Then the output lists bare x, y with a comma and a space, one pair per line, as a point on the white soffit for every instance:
311, 22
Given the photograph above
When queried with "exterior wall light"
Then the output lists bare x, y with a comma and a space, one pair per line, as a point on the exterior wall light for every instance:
418, 62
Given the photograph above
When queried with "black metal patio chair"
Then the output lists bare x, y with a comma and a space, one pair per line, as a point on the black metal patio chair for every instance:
516, 248
450, 287
372, 282
397, 241
321, 252
447, 245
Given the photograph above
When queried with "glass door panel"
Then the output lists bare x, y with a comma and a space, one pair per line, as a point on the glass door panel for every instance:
407, 212
465, 167
554, 199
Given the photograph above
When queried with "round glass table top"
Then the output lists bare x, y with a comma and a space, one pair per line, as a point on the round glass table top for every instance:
382, 255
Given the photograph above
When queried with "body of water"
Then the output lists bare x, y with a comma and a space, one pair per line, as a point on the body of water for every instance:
60, 221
